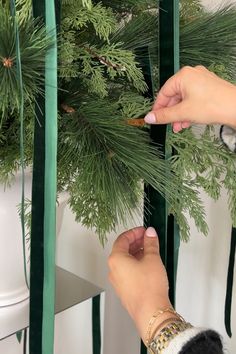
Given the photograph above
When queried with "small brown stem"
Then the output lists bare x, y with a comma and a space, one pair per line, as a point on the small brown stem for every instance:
138, 122
103, 60
67, 108
7, 62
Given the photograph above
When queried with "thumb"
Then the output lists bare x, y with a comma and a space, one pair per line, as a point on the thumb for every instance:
167, 115
151, 242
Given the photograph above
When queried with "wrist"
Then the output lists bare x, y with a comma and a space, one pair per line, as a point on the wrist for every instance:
227, 116
154, 329
143, 316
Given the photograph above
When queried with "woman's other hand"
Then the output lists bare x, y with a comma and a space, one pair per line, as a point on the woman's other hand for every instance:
194, 95
139, 276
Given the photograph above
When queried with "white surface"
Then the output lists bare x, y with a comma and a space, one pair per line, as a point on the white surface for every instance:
80, 252
13, 288
215, 4
202, 273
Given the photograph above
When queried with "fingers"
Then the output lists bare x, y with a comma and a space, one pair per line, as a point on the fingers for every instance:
136, 242
175, 99
151, 242
129, 242
168, 115
178, 126
170, 91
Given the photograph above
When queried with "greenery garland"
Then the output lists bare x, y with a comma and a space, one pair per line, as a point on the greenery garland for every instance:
104, 150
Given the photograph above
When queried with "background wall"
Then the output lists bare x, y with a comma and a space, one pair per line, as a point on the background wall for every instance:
200, 290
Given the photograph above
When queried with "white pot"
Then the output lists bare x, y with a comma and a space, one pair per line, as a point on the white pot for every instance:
13, 288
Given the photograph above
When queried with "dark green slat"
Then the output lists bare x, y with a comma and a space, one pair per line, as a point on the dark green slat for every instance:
230, 281
168, 64
37, 217
37, 234
96, 324
25, 341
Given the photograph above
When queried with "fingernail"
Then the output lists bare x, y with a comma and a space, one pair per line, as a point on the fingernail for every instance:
176, 130
150, 118
151, 232
185, 125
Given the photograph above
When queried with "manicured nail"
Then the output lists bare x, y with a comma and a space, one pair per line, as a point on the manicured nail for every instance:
176, 130
185, 125
150, 118
151, 232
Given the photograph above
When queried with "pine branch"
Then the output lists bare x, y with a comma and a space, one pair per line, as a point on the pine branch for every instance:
33, 43
210, 39
202, 162
24, 10
101, 164
139, 31
130, 6
190, 10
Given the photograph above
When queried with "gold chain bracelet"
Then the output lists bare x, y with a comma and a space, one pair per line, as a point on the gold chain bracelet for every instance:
162, 340
154, 318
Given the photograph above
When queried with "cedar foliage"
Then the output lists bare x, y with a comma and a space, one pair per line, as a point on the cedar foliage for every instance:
102, 159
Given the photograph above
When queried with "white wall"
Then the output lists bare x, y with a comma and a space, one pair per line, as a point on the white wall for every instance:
80, 252
215, 4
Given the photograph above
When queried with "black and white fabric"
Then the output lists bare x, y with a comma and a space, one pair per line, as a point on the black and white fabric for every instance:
228, 136
196, 341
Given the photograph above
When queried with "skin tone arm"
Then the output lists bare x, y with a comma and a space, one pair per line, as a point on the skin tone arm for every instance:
194, 95
139, 276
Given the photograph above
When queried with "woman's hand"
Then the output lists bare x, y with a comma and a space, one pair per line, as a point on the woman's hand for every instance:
194, 95
139, 276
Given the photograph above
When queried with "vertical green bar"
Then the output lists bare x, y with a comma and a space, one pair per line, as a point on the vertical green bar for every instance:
37, 215
96, 324
230, 282
176, 35
168, 65
176, 238
50, 182
158, 216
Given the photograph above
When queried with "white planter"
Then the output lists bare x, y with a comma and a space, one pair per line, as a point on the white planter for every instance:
13, 287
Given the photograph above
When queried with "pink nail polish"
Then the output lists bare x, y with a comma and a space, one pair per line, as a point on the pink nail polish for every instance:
150, 118
151, 232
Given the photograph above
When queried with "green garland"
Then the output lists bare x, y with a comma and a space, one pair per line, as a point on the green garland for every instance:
102, 157
34, 44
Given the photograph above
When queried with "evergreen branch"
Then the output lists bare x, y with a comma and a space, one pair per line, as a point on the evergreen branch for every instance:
138, 32
118, 62
85, 3
103, 60
24, 10
33, 43
77, 17
130, 6
190, 10
202, 162
210, 39
103, 166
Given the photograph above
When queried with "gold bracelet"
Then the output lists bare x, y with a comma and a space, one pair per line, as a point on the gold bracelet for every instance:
168, 333
154, 318
164, 324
